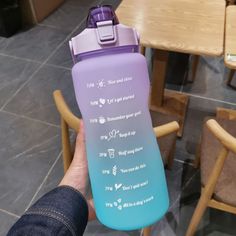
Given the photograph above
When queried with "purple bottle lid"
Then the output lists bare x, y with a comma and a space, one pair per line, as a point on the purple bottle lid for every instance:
99, 14
103, 34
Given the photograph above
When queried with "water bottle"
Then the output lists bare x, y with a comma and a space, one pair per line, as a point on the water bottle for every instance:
111, 84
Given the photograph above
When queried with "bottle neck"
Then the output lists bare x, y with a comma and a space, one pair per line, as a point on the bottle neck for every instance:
104, 52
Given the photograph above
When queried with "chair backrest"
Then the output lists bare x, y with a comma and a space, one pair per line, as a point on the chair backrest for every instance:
65, 112
226, 139
213, 161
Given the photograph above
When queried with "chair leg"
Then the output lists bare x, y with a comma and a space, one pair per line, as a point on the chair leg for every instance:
147, 231
198, 213
171, 157
230, 78
197, 159
66, 150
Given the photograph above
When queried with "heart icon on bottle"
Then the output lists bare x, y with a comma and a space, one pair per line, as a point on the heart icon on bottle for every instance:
113, 133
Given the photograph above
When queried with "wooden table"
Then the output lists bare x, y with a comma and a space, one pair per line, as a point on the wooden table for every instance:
188, 26
230, 41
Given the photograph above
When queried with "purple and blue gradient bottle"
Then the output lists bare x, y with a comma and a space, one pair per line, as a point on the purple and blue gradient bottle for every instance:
112, 87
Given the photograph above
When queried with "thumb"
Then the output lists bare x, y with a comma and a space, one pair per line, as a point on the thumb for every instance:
80, 150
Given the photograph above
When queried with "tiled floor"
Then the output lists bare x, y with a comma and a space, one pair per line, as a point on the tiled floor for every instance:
36, 62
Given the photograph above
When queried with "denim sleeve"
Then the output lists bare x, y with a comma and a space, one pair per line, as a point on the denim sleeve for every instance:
61, 212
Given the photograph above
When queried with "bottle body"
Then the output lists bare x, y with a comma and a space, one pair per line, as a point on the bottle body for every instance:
125, 167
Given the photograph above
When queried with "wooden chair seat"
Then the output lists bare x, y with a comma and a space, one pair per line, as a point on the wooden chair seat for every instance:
225, 189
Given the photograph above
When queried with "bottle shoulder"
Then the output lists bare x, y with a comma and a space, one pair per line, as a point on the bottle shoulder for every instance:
122, 58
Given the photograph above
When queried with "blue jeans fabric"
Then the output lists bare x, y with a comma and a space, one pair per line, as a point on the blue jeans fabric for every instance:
61, 212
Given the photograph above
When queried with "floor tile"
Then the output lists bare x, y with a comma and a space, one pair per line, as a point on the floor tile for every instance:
13, 73
53, 179
28, 149
6, 222
68, 16
210, 81
175, 87
36, 44
178, 178
35, 100
233, 82
207, 226
114, 3
62, 57
84, 3
96, 228
181, 178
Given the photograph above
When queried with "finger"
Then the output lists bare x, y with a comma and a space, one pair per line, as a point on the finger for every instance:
80, 150
92, 213
80, 140
81, 135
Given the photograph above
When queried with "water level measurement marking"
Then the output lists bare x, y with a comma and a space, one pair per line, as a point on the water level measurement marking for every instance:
103, 120
123, 187
102, 101
90, 85
102, 83
120, 204
130, 151
111, 152
117, 134
115, 170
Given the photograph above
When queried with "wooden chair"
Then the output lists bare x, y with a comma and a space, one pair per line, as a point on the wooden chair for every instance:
69, 120
218, 169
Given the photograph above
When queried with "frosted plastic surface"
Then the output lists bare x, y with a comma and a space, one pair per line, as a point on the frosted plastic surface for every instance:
125, 166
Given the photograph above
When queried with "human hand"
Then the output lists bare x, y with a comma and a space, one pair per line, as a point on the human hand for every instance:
77, 174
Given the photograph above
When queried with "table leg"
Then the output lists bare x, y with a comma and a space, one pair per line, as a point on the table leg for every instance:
172, 103
230, 78
195, 63
160, 60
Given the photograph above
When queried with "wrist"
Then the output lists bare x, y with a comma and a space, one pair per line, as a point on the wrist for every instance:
71, 182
